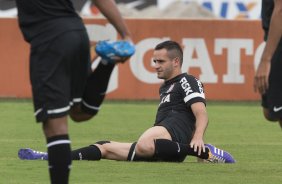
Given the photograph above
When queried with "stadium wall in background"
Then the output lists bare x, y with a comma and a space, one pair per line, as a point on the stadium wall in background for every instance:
230, 9
222, 54
226, 9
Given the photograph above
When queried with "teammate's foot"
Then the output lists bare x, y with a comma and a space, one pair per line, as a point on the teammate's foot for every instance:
219, 156
115, 51
30, 154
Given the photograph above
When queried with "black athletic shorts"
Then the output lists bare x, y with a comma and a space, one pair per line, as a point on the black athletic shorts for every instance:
179, 126
58, 73
273, 97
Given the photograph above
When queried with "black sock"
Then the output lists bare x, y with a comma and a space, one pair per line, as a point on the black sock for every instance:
59, 158
91, 152
133, 157
96, 87
173, 151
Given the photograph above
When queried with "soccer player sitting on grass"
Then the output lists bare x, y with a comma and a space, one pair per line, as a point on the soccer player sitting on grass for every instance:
179, 127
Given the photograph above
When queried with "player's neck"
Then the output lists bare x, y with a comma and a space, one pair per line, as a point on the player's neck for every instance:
175, 74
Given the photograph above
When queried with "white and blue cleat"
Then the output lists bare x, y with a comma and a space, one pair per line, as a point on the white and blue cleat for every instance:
109, 50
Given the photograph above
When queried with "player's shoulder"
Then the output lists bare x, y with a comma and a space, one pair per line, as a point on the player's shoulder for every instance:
185, 77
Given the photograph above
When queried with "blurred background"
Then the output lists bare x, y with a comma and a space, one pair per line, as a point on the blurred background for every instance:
219, 9
222, 43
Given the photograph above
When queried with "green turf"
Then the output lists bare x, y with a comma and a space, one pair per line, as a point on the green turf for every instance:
236, 127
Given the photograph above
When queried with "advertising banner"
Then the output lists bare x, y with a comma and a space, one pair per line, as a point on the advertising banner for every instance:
222, 54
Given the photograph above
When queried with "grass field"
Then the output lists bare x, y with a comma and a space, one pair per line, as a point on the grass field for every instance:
236, 127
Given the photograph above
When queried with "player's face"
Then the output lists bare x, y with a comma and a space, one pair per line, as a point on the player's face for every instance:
163, 64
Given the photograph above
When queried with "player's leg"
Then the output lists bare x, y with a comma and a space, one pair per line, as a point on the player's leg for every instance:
102, 150
115, 150
95, 89
50, 77
274, 92
157, 142
265, 109
59, 149
94, 93
168, 142
145, 146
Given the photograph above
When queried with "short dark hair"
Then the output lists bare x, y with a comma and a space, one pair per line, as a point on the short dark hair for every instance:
173, 48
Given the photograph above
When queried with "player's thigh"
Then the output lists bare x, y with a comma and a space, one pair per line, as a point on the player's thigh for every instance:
80, 66
52, 74
156, 132
274, 93
145, 146
55, 126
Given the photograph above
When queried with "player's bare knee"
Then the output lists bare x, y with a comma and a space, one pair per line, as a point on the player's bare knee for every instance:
80, 117
280, 123
268, 117
144, 148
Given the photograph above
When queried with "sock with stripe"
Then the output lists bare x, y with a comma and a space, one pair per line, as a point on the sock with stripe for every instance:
91, 152
169, 150
96, 87
59, 158
133, 157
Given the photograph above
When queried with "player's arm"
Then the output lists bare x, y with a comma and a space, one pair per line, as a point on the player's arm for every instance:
274, 36
275, 31
200, 113
109, 9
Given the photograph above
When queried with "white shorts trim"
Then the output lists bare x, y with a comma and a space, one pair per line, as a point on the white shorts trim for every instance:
38, 111
90, 107
58, 142
57, 111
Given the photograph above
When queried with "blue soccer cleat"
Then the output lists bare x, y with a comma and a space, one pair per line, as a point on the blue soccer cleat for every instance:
109, 50
30, 154
218, 156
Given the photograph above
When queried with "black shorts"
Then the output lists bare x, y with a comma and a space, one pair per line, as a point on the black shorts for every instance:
179, 126
58, 73
272, 100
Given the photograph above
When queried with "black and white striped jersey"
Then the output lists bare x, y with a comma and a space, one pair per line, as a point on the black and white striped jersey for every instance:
178, 94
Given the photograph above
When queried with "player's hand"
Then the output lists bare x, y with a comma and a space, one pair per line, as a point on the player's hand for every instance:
261, 77
197, 144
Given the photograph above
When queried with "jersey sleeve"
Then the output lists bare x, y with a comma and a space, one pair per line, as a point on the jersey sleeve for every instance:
192, 90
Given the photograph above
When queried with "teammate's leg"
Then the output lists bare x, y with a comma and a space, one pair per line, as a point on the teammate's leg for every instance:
58, 146
95, 89
265, 109
280, 123
272, 100
94, 93
52, 75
